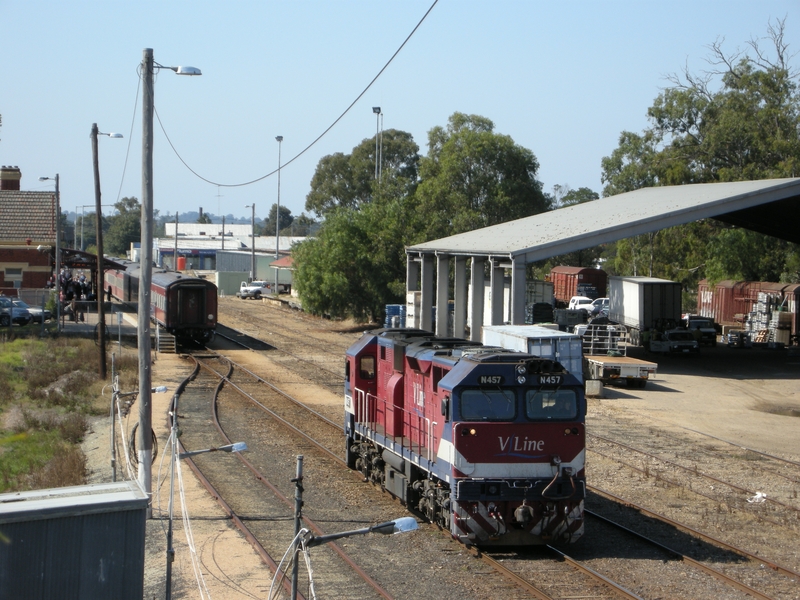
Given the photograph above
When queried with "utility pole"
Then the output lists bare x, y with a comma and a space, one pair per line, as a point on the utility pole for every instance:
145, 441
99, 285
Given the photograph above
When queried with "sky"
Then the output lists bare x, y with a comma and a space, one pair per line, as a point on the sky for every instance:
562, 79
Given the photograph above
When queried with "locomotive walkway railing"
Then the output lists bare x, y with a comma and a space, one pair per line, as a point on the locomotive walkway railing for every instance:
386, 419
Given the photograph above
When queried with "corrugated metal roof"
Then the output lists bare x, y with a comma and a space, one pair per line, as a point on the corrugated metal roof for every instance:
642, 211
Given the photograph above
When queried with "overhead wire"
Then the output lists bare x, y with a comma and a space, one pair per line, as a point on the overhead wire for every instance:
318, 138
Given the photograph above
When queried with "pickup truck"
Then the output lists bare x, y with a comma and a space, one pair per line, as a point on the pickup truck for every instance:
702, 328
255, 289
675, 340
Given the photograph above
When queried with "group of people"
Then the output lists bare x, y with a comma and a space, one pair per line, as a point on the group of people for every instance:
74, 290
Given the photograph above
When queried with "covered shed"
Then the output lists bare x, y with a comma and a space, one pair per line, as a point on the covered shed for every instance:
769, 206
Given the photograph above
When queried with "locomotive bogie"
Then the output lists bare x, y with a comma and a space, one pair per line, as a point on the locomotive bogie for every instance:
486, 443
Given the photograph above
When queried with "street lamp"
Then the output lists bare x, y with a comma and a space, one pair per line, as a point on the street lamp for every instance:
279, 139
307, 540
58, 251
148, 67
253, 242
377, 111
99, 286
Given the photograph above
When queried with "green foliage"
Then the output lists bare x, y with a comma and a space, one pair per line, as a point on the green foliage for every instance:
356, 264
204, 218
286, 220
473, 178
124, 228
45, 394
747, 129
348, 180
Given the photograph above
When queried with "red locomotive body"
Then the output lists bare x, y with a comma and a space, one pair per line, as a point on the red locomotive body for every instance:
487, 443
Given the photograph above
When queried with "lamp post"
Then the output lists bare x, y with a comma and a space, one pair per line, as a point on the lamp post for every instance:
279, 139
377, 111
145, 447
99, 285
58, 251
253, 241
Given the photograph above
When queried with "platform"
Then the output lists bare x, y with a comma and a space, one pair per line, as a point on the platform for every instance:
124, 328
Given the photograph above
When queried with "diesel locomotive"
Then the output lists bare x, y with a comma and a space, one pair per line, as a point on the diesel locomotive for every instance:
488, 443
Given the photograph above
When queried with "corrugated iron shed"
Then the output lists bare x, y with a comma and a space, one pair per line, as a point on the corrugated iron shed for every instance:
624, 215
769, 206
73, 542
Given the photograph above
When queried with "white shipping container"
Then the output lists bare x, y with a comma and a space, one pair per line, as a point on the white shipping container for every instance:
566, 348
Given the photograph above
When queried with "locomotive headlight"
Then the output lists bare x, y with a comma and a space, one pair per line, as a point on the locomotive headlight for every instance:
210, 316
521, 369
521, 379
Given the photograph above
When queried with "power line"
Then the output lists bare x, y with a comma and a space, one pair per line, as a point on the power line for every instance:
304, 150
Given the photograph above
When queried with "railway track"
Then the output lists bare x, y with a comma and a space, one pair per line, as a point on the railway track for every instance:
622, 503
290, 413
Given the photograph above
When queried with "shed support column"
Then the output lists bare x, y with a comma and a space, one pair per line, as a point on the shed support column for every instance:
426, 301
460, 297
442, 294
498, 300
477, 280
412, 287
518, 291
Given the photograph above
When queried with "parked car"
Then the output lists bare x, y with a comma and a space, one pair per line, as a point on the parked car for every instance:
600, 307
20, 314
5, 311
581, 303
38, 313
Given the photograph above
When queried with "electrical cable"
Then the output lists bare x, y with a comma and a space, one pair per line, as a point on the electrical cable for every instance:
313, 143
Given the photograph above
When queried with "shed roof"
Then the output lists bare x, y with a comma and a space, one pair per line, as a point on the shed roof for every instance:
742, 203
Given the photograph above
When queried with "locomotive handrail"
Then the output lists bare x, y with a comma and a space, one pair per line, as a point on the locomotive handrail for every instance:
368, 407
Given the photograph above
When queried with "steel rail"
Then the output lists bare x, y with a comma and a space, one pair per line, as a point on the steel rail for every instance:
772, 565
253, 541
283, 351
679, 485
688, 470
289, 502
727, 579
584, 569
505, 571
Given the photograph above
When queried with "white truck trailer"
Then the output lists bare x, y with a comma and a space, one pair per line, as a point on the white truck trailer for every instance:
552, 344
642, 303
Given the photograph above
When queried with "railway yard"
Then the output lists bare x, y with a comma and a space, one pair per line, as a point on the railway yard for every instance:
694, 481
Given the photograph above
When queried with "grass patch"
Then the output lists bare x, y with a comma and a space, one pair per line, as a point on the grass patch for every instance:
48, 388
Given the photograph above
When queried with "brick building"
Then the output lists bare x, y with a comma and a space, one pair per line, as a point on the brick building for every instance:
27, 234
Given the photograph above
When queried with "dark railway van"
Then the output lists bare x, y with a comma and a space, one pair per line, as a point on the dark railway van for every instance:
184, 306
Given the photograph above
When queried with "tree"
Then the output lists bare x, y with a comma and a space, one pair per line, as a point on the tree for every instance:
204, 218
348, 180
473, 178
124, 228
286, 220
745, 129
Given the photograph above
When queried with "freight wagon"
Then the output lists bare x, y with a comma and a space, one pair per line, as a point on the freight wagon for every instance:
578, 281
730, 303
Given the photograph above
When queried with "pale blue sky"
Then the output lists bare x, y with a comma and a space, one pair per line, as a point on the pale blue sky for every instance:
561, 78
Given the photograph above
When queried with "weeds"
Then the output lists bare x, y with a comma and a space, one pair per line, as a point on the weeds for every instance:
47, 389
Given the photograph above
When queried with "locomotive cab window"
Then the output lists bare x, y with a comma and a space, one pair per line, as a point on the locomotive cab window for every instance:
366, 367
551, 404
488, 405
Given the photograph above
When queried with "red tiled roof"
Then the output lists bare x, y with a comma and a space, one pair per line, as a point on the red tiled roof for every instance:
27, 215
287, 262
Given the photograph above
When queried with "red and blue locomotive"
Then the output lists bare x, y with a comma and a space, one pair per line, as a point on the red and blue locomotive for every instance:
184, 306
487, 443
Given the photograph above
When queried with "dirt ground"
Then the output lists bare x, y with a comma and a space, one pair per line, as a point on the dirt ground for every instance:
744, 396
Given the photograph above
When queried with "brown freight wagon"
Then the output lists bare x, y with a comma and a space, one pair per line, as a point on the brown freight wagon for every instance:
730, 302
566, 279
